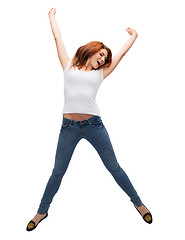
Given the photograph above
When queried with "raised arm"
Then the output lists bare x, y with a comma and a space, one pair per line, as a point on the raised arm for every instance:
117, 58
61, 50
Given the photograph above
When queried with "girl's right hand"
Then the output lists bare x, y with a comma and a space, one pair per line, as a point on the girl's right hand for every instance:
52, 12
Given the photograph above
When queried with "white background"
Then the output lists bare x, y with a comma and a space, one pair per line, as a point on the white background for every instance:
141, 104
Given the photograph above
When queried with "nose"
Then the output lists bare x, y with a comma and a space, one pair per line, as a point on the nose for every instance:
103, 60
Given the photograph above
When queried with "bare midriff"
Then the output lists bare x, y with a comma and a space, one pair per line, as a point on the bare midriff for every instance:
77, 116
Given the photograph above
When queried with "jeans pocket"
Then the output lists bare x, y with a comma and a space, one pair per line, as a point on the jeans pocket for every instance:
66, 125
97, 122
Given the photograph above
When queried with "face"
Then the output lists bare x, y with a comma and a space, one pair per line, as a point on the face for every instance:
100, 57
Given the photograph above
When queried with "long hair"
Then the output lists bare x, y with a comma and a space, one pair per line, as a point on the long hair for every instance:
88, 50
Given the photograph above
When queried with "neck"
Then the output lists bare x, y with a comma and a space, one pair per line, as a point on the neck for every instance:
87, 67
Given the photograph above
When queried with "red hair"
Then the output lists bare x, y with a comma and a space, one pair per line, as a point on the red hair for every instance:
88, 50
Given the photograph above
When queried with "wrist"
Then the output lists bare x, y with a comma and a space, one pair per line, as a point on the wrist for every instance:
135, 33
51, 16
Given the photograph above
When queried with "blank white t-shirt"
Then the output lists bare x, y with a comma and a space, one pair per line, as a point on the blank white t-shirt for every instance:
80, 90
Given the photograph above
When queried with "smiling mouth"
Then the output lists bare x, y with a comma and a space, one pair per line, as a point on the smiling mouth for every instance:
98, 63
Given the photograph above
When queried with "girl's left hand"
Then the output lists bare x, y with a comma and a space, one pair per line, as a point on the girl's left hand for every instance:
131, 30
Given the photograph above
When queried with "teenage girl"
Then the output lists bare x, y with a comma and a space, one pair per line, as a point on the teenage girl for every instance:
83, 74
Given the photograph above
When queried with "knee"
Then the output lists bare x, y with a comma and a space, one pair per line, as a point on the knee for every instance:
115, 169
57, 173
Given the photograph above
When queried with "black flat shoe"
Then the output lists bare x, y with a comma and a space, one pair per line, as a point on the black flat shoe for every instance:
147, 217
31, 225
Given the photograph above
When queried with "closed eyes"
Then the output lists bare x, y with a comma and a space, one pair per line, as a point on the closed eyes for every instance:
105, 57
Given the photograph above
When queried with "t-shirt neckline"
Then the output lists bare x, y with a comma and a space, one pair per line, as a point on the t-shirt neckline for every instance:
85, 71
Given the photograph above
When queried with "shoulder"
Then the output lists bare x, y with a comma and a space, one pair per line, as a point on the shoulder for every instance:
100, 73
67, 64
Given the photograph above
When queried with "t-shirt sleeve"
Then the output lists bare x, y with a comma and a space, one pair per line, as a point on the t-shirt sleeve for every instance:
67, 67
101, 74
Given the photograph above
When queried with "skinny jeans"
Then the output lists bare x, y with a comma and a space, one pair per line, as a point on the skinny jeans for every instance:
94, 131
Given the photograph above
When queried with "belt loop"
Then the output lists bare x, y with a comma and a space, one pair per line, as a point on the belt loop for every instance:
89, 122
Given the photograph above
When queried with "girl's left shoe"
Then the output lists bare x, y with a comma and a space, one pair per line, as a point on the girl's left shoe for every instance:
147, 217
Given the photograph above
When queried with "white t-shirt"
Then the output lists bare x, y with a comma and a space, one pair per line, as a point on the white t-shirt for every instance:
80, 90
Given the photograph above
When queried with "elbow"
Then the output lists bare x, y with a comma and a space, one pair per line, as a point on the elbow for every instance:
57, 37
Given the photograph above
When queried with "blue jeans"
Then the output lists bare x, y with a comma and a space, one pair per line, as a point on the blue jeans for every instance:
94, 131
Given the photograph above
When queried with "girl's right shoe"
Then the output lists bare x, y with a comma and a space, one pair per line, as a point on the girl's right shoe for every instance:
31, 225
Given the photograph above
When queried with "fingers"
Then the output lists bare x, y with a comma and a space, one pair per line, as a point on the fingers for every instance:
50, 11
128, 29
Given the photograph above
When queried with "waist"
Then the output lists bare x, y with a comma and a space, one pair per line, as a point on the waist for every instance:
83, 122
77, 116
